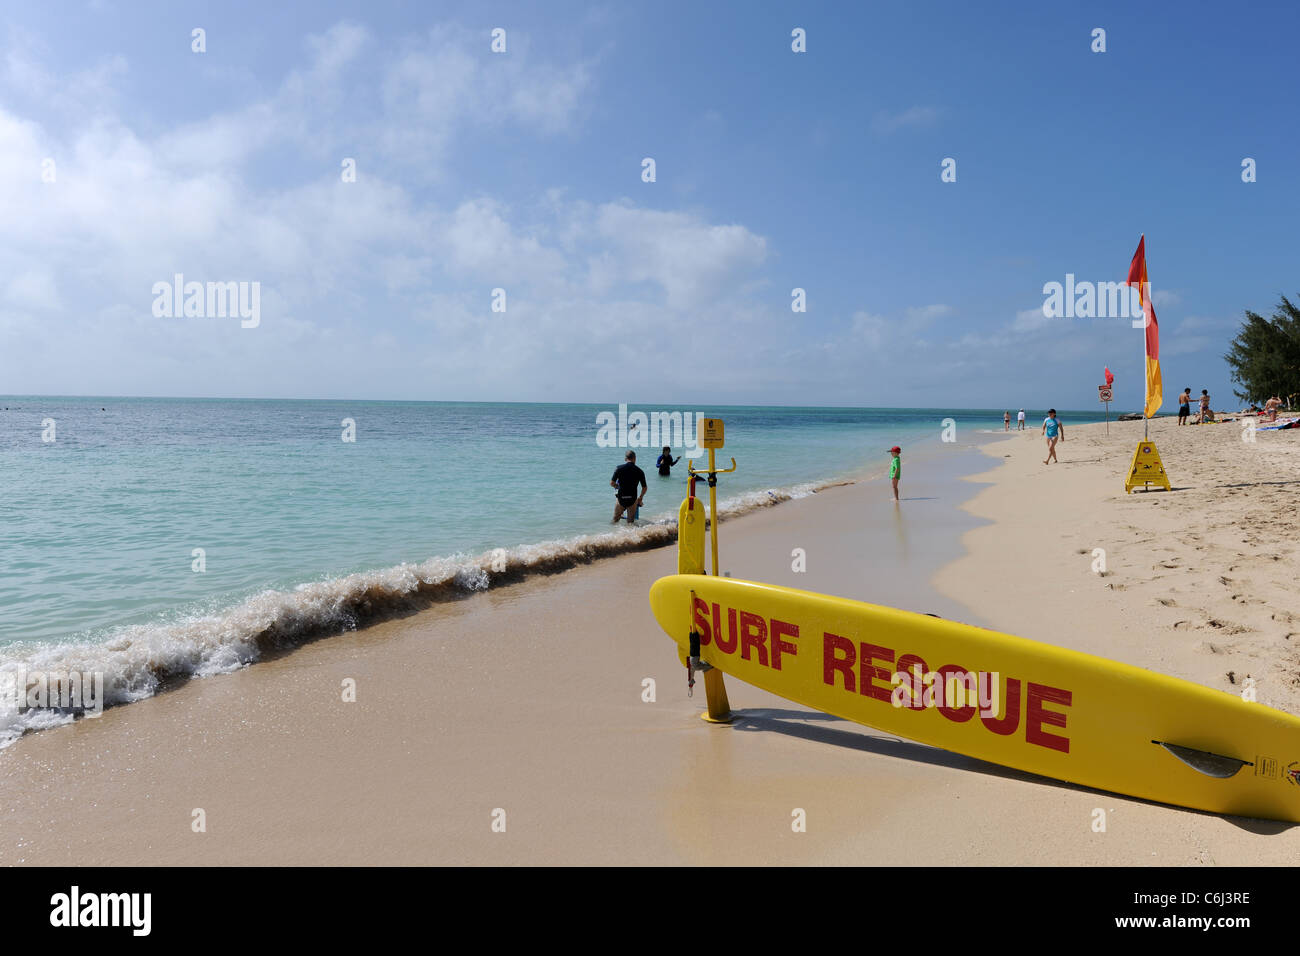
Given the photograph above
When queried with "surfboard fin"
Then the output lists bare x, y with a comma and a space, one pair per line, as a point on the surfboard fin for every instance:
1202, 761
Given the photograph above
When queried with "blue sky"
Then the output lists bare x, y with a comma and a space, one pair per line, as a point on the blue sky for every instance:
522, 171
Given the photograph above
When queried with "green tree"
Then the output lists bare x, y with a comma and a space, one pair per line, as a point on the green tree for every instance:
1265, 355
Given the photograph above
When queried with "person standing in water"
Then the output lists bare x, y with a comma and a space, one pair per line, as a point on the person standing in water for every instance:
1054, 430
666, 461
1020, 421
624, 481
1006, 421
895, 469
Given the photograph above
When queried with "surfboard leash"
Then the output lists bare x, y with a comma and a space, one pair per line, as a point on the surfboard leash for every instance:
693, 662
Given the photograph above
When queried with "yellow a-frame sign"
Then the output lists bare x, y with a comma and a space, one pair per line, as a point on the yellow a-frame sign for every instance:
1146, 468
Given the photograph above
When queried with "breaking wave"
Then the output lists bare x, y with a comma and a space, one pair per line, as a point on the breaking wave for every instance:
140, 660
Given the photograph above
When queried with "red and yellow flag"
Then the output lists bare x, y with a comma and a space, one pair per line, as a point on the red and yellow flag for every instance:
1137, 275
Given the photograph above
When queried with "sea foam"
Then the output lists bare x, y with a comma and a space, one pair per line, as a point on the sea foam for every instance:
139, 660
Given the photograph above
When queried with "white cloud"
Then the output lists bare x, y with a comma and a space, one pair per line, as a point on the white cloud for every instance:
1207, 323
34, 289
478, 240
1195, 333
452, 81
346, 269
691, 260
918, 117
925, 315
1031, 320
382, 286
870, 330
305, 110
74, 94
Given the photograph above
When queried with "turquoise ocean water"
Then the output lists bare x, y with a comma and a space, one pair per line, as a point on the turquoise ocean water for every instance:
301, 531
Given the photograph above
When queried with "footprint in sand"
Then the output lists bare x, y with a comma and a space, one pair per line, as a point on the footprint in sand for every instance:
1167, 602
1227, 627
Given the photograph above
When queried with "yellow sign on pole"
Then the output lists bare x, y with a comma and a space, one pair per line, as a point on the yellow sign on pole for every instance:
1146, 468
712, 435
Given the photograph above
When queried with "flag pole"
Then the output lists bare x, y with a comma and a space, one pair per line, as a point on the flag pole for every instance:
1144, 300
1146, 468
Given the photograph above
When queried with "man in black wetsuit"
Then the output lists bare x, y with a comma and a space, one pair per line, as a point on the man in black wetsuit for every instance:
625, 480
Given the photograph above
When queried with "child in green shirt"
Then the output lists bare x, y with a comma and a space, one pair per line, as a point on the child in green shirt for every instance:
895, 469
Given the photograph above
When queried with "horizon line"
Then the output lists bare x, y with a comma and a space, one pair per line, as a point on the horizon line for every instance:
454, 401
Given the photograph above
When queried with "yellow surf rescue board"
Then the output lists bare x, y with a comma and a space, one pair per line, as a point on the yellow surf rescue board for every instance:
1011, 701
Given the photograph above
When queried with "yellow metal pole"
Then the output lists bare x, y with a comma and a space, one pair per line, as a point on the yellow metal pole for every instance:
715, 694
713, 512
715, 689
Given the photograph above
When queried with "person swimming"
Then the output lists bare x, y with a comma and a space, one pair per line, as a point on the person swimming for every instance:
666, 461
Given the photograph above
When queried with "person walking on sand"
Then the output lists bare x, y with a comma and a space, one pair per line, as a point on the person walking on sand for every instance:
666, 461
1020, 421
1054, 430
624, 482
895, 469
1185, 405
1205, 407
1006, 421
